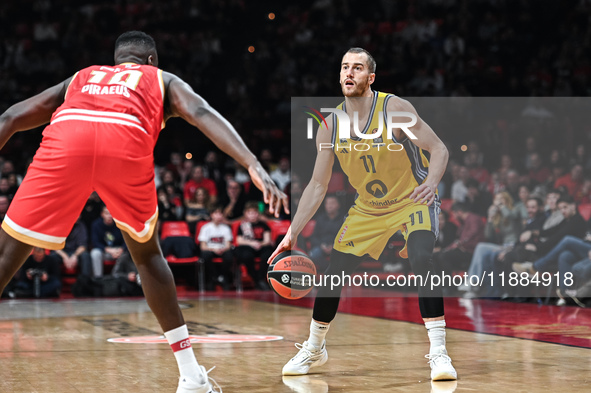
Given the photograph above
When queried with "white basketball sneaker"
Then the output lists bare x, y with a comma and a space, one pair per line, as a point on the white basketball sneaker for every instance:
441, 368
187, 385
309, 356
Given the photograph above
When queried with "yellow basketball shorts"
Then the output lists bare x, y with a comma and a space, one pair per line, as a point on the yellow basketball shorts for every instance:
368, 233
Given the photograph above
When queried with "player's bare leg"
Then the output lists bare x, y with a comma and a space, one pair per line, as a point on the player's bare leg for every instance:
160, 292
13, 253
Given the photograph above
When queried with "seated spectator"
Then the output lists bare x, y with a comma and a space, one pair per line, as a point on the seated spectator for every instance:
457, 255
215, 239
520, 206
107, 242
538, 173
196, 209
282, 175
476, 170
448, 232
581, 277
74, 254
233, 201
513, 184
459, 189
196, 181
39, 276
486, 254
166, 208
127, 278
254, 240
503, 223
4, 203
328, 224
478, 201
572, 181
573, 225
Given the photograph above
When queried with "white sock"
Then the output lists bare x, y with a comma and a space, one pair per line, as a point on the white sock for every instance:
317, 333
436, 333
183, 352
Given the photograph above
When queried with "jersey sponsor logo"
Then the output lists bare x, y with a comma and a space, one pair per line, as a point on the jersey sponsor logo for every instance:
376, 188
343, 233
205, 339
389, 202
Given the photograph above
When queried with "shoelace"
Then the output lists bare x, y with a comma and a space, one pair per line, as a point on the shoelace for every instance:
434, 357
308, 353
213, 382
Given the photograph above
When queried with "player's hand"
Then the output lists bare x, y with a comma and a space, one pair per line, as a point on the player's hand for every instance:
285, 245
272, 195
423, 194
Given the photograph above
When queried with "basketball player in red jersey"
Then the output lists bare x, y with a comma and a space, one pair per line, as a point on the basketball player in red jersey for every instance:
104, 123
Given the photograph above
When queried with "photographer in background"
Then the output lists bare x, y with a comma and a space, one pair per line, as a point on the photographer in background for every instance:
39, 277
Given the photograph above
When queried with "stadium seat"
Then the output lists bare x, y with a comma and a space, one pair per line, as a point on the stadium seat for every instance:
278, 228
446, 204
179, 229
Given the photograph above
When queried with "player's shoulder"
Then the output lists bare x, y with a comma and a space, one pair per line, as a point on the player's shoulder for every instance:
395, 103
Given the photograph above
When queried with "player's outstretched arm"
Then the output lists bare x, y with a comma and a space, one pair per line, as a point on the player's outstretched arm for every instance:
32, 112
426, 140
182, 101
314, 192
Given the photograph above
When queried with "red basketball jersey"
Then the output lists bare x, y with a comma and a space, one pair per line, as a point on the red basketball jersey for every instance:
126, 94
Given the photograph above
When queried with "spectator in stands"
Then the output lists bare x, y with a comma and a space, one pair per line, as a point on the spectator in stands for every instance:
233, 201
325, 231
282, 175
254, 240
214, 169
486, 254
92, 210
448, 232
166, 210
476, 170
572, 181
107, 242
478, 201
197, 208
538, 173
39, 276
512, 184
503, 223
458, 254
128, 279
74, 255
459, 190
4, 203
266, 159
520, 207
573, 225
215, 239
581, 276
197, 180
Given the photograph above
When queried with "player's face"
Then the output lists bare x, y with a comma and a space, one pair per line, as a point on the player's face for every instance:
355, 77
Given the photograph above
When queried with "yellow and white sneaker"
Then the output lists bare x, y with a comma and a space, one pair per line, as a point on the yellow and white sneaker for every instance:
309, 356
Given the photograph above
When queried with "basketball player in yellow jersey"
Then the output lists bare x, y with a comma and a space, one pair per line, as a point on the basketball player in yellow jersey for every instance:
397, 191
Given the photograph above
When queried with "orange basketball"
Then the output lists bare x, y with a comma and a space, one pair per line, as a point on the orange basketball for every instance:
291, 274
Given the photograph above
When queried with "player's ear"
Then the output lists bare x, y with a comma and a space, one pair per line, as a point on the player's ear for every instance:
372, 78
150, 60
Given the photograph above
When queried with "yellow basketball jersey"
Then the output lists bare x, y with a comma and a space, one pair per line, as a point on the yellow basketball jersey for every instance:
384, 172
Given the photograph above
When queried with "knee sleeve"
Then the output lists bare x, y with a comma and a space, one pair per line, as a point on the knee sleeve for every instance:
327, 299
420, 253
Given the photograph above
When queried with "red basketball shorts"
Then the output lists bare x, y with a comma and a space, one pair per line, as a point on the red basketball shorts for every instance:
76, 158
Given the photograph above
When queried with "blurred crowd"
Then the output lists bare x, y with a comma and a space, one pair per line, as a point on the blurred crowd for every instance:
249, 58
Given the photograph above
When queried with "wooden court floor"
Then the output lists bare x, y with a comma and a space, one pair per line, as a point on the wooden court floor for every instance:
62, 347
